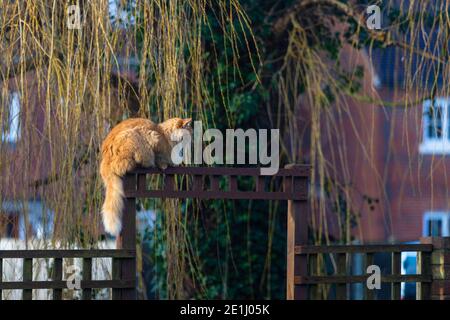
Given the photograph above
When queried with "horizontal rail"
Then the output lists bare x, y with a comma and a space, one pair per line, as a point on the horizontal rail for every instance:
374, 248
295, 171
362, 278
219, 194
82, 253
62, 284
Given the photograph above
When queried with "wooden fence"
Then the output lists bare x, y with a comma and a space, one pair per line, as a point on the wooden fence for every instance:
291, 184
121, 286
305, 275
343, 276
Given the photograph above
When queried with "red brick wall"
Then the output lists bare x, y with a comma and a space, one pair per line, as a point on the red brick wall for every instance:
416, 183
28, 159
375, 151
383, 161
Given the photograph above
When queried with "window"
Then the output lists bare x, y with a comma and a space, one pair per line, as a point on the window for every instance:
436, 224
11, 129
436, 127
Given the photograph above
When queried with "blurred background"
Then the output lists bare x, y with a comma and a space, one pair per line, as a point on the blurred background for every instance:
367, 107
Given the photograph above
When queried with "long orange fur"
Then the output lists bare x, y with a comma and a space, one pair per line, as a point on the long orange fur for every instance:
133, 142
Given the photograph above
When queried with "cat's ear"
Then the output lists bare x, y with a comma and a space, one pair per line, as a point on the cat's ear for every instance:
187, 123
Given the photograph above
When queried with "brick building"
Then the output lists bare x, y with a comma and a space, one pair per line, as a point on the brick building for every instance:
391, 152
394, 158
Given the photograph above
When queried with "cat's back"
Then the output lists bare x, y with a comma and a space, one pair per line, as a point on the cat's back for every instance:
132, 123
124, 127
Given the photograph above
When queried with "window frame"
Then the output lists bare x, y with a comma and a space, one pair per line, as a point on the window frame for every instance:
430, 145
13, 134
436, 215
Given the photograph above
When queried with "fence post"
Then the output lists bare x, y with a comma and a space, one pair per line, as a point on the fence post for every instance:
125, 269
440, 267
297, 234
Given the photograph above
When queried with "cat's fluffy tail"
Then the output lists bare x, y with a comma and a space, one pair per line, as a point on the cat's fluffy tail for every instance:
113, 205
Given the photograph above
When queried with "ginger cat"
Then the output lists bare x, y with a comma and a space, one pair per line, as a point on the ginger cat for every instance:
134, 142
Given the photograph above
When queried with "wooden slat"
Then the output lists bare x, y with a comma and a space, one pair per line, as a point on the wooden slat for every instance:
369, 293
300, 184
87, 276
260, 183
396, 270
128, 268
197, 183
313, 260
129, 183
360, 279
57, 276
423, 289
215, 183
222, 194
341, 288
116, 274
107, 253
364, 248
297, 171
62, 284
142, 182
233, 184
128, 239
27, 294
169, 183
297, 234
287, 185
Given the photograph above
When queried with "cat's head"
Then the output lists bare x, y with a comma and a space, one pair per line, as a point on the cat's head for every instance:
175, 128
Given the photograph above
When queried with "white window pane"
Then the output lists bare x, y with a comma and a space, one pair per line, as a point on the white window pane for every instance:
436, 127
12, 132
